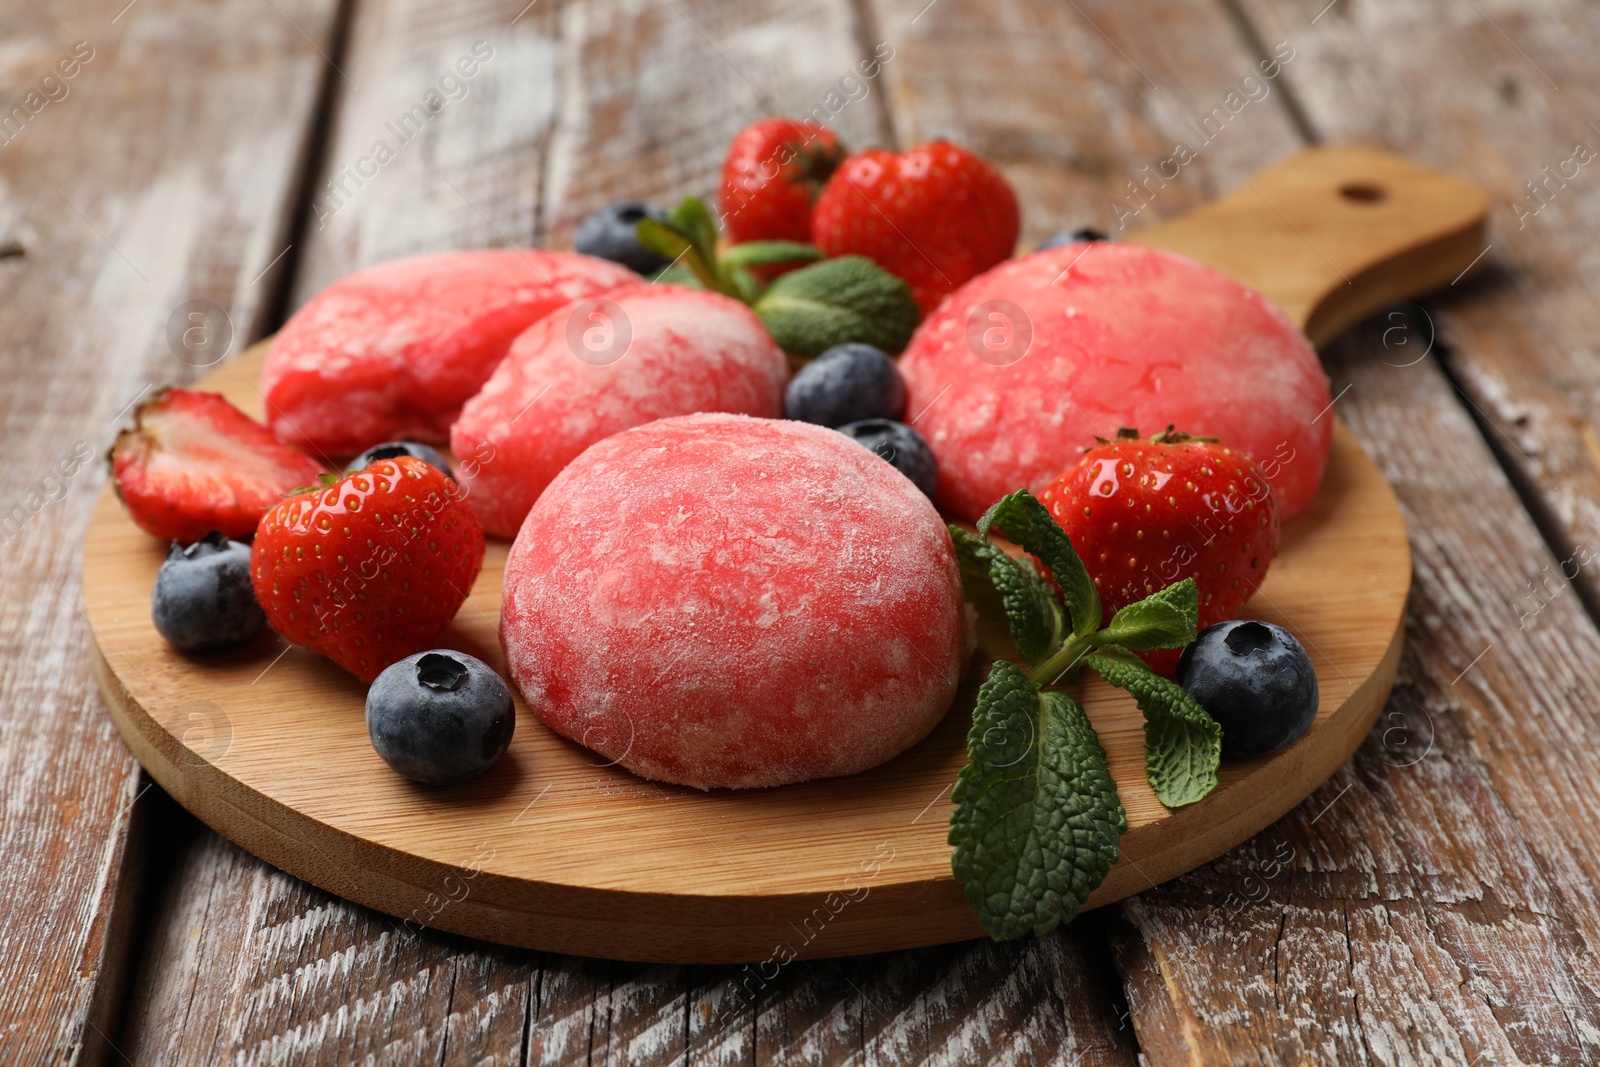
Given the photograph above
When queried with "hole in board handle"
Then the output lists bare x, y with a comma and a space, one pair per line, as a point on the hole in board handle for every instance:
1363, 192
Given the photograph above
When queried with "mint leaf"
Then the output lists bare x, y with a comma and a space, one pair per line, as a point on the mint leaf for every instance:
849, 298
770, 253
688, 238
1182, 744
1037, 817
676, 274
661, 238
681, 251
1025, 521
1032, 611
694, 220
1161, 620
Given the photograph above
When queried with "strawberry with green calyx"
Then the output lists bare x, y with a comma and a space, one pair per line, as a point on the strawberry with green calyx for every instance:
1038, 819
369, 568
774, 171
935, 215
808, 310
1145, 513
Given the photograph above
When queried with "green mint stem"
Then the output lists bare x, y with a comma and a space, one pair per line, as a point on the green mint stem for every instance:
1064, 659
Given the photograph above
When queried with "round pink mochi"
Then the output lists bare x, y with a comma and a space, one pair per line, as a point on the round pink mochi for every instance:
393, 351
725, 601
1019, 370
599, 366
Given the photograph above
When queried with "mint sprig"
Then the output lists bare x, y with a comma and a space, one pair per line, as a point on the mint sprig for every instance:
1032, 843
1161, 620
824, 303
1035, 615
848, 298
1182, 744
1026, 522
688, 238
1037, 817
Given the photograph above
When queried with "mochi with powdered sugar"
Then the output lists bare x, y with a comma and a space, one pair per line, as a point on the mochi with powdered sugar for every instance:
1019, 370
391, 352
597, 367
724, 601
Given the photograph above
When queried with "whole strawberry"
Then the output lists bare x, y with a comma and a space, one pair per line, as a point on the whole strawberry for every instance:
1146, 513
774, 171
371, 568
194, 463
935, 215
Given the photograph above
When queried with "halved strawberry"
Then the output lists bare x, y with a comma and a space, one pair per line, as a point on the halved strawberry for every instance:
194, 463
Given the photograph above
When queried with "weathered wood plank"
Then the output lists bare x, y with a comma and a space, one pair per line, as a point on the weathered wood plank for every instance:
1422, 917
151, 160
1434, 902
629, 98
1074, 100
1508, 953
1505, 94
439, 136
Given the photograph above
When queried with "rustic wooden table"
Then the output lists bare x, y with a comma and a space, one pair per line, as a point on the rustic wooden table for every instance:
1433, 903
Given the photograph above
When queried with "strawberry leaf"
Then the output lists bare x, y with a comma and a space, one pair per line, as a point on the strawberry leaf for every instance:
1167, 619
1025, 521
1037, 820
1182, 744
1035, 616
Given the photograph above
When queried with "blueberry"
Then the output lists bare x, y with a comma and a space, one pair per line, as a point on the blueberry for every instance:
202, 598
846, 383
1255, 680
612, 233
440, 717
1073, 237
902, 446
393, 449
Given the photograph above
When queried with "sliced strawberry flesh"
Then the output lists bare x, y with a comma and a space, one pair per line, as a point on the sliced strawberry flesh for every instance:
195, 463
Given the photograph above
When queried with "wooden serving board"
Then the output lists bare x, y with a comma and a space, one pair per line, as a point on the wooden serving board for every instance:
553, 849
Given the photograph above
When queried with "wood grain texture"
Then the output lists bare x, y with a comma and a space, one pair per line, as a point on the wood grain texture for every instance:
1505, 94
1332, 235
1073, 100
1064, 106
1433, 902
421, 156
161, 171
560, 1004
328, 982
1411, 922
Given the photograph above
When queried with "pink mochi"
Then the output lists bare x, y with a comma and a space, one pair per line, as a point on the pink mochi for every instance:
394, 350
598, 367
1121, 335
725, 601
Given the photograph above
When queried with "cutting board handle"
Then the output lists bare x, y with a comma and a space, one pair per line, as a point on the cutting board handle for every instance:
1334, 234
